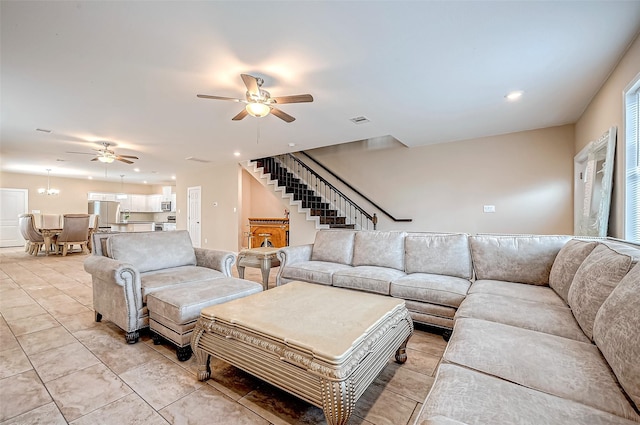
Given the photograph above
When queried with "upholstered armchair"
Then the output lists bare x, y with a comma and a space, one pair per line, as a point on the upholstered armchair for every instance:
75, 231
34, 238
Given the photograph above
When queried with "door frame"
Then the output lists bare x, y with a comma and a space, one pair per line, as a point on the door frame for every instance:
194, 222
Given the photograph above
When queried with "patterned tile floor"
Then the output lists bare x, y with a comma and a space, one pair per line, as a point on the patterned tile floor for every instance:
58, 366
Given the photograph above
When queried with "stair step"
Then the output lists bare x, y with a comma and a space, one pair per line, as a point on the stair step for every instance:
326, 213
342, 226
332, 220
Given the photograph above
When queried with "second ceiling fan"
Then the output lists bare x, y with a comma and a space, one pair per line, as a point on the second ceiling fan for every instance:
259, 102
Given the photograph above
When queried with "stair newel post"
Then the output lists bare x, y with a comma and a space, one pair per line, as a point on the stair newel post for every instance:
374, 220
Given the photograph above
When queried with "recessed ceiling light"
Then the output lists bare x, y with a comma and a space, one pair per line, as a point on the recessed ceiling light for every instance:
236, 153
137, 170
514, 95
90, 178
145, 182
173, 177
291, 145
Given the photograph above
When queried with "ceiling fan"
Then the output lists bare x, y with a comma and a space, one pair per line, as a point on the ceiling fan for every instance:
107, 155
259, 102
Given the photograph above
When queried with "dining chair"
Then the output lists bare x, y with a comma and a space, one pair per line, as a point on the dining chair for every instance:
75, 231
93, 228
31, 233
23, 225
50, 221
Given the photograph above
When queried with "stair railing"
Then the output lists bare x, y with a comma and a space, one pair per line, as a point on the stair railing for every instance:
397, 220
354, 214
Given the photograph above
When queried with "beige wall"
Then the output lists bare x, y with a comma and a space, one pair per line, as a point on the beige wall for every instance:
606, 110
220, 225
526, 175
73, 192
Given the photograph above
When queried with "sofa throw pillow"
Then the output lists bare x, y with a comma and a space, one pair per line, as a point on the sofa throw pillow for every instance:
333, 246
566, 265
444, 254
382, 249
616, 332
596, 277
149, 251
519, 258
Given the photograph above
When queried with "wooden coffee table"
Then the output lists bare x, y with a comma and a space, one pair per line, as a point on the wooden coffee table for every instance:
322, 344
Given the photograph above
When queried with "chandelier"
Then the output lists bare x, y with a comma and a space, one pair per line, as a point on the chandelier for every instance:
49, 190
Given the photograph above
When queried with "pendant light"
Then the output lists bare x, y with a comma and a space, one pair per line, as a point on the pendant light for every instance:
121, 195
49, 190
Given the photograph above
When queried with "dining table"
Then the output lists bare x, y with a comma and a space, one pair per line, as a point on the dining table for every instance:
49, 236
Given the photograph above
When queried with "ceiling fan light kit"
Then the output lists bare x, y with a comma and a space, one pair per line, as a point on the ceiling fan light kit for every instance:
258, 110
106, 159
259, 102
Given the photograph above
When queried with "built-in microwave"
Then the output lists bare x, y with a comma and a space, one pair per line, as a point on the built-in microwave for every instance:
165, 205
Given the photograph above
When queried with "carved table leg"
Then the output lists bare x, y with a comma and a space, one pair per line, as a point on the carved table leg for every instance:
265, 268
401, 353
202, 357
338, 401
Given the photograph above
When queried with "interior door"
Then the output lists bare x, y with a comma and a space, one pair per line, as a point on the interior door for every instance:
193, 214
13, 202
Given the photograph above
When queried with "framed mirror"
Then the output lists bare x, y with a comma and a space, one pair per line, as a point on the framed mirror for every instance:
593, 168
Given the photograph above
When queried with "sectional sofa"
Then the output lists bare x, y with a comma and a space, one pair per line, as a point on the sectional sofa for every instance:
547, 330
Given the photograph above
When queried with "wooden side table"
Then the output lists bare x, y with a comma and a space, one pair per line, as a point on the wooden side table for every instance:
261, 258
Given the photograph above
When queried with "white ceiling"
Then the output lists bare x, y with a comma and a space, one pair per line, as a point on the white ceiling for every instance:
421, 71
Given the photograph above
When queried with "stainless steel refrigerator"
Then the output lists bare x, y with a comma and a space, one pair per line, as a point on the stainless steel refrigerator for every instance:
109, 212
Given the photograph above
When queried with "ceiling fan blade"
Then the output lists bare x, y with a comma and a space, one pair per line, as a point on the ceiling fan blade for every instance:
81, 153
297, 98
251, 83
282, 115
206, 96
128, 156
126, 161
240, 115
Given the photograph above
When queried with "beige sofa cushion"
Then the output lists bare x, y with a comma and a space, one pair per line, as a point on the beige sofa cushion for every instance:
554, 365
366, 278
157, 280
382, 249
541, 317
616, 331
333, 246
537, 293
478, 399
596, 277
566, 265
313, 271
524, 259
444, 254
431, 288
148, 251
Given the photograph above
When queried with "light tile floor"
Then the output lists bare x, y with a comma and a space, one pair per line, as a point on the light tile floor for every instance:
58, 366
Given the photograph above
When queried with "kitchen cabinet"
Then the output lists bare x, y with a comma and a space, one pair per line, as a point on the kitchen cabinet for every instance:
138, 203
154, 203
99, 196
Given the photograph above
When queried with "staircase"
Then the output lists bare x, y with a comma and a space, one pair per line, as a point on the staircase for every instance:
299, 191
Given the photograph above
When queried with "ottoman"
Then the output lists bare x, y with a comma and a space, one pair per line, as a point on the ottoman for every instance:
173, 312
322, 344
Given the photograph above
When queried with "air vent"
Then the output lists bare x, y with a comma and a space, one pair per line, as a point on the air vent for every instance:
359, 120
193, 158
44, 130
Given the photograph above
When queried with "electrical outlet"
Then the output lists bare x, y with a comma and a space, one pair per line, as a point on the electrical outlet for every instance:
489, 208
205, 240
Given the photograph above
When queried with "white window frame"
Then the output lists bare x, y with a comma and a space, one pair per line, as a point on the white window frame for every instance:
631, 99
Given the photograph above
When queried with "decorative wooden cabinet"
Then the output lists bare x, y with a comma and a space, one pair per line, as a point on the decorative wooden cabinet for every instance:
276, 228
